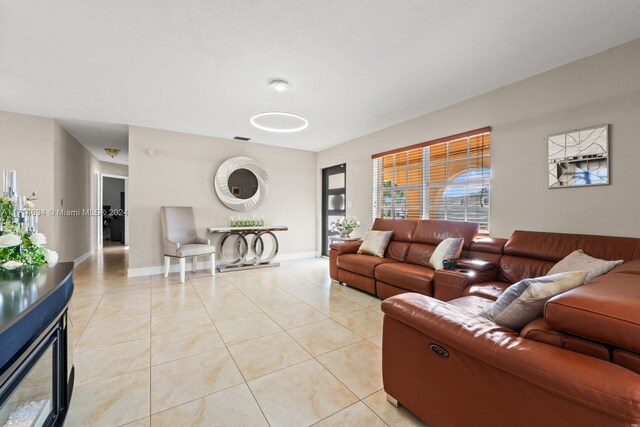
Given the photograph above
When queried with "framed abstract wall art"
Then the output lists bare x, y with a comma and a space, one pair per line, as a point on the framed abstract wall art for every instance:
579, 158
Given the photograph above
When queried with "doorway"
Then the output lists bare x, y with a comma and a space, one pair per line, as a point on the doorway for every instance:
114, 204
334, 201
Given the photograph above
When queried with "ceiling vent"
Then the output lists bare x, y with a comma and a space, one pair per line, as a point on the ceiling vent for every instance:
241, 138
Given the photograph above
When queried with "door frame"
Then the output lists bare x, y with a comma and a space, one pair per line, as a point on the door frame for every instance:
96, 207
126, 199
326, 172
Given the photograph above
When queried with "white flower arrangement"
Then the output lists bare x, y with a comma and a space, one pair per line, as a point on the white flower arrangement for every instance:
38, 239
19, 247
10, 240
345, 224
51, 257
11, 265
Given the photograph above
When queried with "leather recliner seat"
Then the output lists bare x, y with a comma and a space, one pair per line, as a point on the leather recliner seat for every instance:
578, 365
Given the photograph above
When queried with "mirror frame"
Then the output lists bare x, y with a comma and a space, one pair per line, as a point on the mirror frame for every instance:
221, 183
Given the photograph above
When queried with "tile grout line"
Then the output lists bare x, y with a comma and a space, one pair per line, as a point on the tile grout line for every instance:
246, 384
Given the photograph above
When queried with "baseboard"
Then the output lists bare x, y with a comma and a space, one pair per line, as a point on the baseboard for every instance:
82, 258
297, 255
203, 265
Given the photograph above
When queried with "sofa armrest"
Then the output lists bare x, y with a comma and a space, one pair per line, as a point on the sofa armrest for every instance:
346, 248
475, 265
450, 284
569, 375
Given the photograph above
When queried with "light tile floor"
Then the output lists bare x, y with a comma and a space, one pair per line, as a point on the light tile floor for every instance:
281, 347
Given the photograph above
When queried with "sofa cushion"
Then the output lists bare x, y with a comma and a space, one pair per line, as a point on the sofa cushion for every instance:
578, 260
403, 231
605, 310
490, 290
429, 234
367, 284
407, 276
626, 359
540, 330
524, 301
375, 243
631, 267
432, 232
512, 269
361, 264
555, 246
473, 304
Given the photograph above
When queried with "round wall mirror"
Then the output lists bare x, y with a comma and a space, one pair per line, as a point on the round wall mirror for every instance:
241, 183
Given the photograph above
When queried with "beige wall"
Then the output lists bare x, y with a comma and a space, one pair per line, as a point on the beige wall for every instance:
113, 168
604, 88
49, 160
27, 146
72, 191
181, 173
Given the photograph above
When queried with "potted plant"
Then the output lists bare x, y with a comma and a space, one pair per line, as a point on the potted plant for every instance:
345, 225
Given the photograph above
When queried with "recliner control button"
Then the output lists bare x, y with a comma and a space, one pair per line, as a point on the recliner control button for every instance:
439, 351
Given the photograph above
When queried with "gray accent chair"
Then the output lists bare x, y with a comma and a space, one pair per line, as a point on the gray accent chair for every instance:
181, 239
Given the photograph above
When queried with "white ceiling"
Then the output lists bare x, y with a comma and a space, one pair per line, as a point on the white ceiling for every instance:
355, 66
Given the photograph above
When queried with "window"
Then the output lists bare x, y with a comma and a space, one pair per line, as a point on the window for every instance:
443, 179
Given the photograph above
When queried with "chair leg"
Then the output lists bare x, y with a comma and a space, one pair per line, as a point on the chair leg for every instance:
183, 266
213, 264
167, 263
194, 263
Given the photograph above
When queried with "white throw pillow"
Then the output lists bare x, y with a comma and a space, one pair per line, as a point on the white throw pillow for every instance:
524, 301
449, 248
578, 260
375, 243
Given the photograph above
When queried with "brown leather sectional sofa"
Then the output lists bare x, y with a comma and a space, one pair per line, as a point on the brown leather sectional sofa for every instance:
578, 365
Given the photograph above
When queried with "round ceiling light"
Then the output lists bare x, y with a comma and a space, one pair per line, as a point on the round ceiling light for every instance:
279, 85
279, 121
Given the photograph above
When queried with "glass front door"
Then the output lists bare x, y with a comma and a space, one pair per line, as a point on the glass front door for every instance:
334, 201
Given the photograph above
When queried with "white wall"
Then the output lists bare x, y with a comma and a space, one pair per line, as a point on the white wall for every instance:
181, 173
604, 88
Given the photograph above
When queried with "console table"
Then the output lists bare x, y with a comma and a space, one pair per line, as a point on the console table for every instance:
247, 247
36, 370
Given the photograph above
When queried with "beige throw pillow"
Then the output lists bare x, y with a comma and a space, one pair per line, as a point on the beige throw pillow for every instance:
449, 248
375, 243
578, 260
523, 302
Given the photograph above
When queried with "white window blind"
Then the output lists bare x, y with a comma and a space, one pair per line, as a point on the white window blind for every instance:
444, 180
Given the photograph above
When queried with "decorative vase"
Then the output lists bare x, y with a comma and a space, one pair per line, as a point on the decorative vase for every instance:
345, 233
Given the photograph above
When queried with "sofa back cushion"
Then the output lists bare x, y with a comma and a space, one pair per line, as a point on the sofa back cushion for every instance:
487, 249
555, 246
627, 359
533, 253
403, 231
539, 330
429, 233
512, 269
